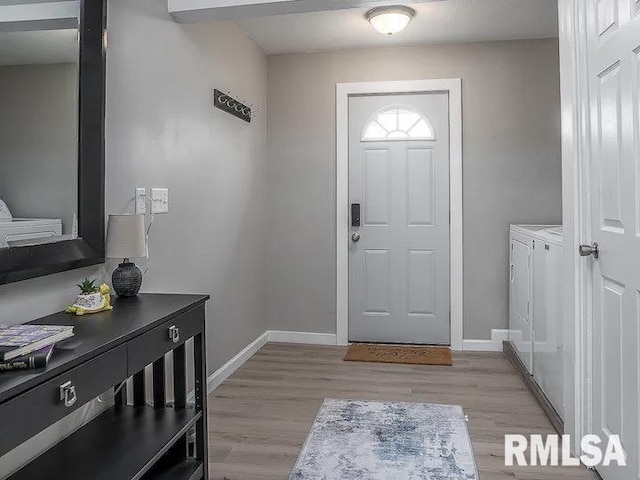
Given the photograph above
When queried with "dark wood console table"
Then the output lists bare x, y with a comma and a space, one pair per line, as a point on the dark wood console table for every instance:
147, 439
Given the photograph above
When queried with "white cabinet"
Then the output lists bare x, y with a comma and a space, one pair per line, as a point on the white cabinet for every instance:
535, 305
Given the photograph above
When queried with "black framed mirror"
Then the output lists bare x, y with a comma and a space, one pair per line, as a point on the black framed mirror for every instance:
47, 128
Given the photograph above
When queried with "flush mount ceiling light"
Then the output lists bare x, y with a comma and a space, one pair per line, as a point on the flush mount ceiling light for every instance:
390, 20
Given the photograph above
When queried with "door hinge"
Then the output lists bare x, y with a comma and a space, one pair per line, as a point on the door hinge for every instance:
528, 307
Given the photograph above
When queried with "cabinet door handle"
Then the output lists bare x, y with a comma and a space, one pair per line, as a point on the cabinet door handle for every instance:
512, 272
174, 334
68, 394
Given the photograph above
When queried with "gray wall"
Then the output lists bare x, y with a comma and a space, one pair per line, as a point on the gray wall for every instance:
38, 141
512, 171
162, 131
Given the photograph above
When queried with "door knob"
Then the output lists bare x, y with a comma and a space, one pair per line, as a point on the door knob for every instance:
587, 250
355, 237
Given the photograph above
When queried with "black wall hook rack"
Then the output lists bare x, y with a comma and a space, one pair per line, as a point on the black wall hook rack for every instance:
232, 106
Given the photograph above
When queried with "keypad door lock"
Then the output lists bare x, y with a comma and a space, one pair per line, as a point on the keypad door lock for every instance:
355, 214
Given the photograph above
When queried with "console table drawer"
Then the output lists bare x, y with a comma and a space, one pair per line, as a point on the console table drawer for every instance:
29, 413
148, 347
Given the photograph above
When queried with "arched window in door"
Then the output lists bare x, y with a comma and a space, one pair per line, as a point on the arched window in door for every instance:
397, 123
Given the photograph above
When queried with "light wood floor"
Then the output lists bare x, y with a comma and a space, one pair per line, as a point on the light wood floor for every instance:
260, 417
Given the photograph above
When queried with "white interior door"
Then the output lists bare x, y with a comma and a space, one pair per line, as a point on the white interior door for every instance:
399, 254
613, 58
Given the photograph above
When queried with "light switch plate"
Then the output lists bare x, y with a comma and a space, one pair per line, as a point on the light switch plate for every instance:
159, 200
141, 201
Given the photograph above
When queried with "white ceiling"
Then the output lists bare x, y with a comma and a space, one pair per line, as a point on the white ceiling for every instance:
39, 47
436, 22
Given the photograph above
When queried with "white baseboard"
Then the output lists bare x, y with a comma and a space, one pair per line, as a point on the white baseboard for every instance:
478, 346
493, 345
277, 336
225, 371
280, 336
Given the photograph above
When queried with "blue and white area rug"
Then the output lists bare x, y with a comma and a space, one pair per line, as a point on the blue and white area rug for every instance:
354, 439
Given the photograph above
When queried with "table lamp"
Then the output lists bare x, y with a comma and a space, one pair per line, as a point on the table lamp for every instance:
126, 239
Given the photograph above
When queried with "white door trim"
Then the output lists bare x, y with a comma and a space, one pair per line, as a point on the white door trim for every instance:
453, 86
576, 188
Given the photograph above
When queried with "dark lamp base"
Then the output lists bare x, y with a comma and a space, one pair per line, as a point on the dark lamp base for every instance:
126, 279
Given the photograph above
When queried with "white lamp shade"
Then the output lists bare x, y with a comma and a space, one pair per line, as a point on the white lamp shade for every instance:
390, 20
126, 237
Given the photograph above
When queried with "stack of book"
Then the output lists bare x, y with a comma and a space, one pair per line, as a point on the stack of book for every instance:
29, 346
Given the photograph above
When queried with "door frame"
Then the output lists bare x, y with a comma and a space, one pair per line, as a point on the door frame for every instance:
576, 217
452, 86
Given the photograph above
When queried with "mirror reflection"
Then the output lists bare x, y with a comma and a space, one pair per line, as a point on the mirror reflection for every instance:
38, 122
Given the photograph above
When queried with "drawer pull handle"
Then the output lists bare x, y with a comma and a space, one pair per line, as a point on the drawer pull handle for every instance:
174, 334
68, 394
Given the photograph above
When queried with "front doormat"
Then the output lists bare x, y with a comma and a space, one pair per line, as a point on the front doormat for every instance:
414, 355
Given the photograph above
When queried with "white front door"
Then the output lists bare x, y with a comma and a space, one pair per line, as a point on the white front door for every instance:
613, 58
399, 195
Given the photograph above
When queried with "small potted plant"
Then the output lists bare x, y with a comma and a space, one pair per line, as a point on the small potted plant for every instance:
91, 299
